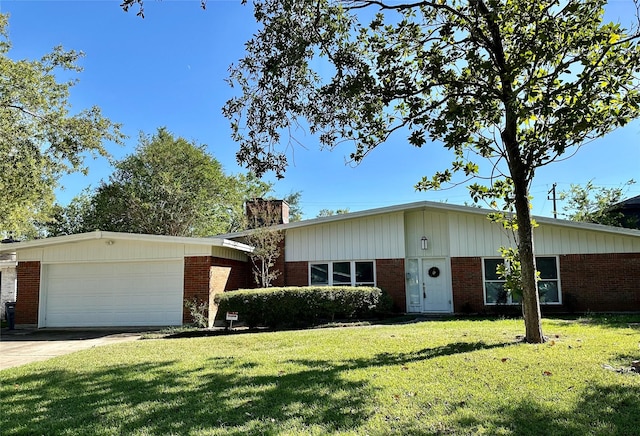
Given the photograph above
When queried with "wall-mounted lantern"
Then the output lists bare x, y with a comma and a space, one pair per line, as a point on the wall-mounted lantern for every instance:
424, 243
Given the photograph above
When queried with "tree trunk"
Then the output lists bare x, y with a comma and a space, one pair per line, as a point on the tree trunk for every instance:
530, 298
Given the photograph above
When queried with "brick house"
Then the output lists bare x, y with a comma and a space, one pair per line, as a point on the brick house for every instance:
430, 257
440, 258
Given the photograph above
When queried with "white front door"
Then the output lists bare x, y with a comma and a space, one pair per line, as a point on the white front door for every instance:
435, 286
428, 284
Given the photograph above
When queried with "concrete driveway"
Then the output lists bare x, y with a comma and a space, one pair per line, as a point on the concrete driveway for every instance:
22, 346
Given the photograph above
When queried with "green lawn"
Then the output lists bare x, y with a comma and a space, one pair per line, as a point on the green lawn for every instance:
435, 377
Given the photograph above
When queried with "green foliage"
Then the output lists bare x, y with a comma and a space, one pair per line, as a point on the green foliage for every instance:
455, 377
199, 311
513, 84
594, 204
293, 199
275, 307
329, 212
169, 186
70, 219
41, 140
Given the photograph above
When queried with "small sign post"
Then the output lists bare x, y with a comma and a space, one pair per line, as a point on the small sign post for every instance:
231, 317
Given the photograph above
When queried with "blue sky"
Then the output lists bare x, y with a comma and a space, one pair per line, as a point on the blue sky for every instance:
168, 69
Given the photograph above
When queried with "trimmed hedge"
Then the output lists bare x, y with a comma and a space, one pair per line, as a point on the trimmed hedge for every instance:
299, 306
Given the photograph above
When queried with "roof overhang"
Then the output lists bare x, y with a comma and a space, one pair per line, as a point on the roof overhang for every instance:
116, 236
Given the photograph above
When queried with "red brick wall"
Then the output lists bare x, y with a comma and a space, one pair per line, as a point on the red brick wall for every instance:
468, 289
297, 273
28, 295
390, 278
240, 278
588, 282
600, 282
196, 278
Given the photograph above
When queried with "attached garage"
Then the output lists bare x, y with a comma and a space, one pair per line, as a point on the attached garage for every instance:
106, 279
112, 294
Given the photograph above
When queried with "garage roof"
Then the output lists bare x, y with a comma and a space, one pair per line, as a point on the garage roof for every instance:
98, 234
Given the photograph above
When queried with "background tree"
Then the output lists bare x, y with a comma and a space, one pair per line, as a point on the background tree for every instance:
595, 204
169, 186
514, 84
40, 140
69, 219
330, 212
294, 199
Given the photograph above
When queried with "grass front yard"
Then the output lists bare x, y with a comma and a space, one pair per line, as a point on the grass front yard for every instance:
434, 377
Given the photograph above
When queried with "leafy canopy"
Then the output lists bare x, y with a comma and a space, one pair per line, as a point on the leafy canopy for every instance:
40, 139
511, 83
169, 186
468, 74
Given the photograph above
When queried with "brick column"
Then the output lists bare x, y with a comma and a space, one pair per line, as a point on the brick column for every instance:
28, 295
390, 278
468, 289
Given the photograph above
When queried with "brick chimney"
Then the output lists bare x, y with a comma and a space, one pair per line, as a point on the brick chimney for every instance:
264, 213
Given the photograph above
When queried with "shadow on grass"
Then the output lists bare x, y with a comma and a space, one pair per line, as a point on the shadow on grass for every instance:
165, 398
224, 394
602, 410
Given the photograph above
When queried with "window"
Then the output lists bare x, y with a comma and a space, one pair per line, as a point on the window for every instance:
548, 283
347, 273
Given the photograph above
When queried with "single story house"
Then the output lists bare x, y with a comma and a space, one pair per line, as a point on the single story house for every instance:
441, 258
430, 257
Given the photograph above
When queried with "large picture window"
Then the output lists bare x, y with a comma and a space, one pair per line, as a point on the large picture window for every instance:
548, 283
347, 273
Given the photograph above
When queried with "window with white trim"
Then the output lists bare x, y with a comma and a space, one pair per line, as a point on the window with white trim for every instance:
548, 282
345, 273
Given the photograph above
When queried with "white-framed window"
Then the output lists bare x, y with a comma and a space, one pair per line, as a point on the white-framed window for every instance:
548, 283
343, 273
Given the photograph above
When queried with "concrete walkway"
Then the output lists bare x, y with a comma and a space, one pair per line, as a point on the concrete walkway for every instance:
22, 346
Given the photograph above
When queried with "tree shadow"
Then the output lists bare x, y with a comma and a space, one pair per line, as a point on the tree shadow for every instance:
613, 321
602, 409
166, 397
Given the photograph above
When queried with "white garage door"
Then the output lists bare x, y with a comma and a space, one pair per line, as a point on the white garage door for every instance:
113, 294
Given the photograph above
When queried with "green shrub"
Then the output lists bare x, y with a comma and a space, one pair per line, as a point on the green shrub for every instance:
199, 311
300, 306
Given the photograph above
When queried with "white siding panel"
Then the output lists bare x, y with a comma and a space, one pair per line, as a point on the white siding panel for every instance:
224, 253
33, 254
119, 250
201, 250
375, 237
475, 235
550, 239
433, 225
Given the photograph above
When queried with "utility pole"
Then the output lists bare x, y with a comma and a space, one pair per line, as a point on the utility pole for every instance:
552, 191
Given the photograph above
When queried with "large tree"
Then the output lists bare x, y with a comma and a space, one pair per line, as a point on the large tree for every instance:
40, 139
515, 84
169, 186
